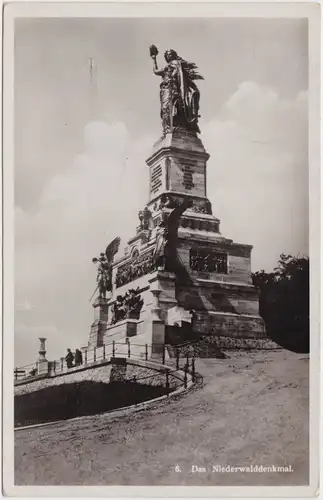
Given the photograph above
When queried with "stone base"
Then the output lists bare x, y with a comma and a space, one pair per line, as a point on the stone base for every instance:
42, 367
230, 325
98, 327
211, 274
97, 334
121, 330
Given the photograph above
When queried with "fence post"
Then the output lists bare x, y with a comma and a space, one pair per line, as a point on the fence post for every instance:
85, 357
103, 351
62, 364
187, 362
113, 348
177, 359
94, 354
16, 374
146, 351
193, 369
134, 388
185, 376
167, 382
164, 348
128, 349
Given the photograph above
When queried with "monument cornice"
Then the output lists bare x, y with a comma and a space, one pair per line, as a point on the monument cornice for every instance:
176, 152
232, 285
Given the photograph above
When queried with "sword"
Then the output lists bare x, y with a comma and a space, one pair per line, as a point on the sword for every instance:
93, 293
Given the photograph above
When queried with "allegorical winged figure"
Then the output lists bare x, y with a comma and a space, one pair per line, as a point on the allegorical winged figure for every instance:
165, 254
179, 95
104, 273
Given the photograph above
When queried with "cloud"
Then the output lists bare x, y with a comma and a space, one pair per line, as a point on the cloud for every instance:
79, 212
258, 171
257, 181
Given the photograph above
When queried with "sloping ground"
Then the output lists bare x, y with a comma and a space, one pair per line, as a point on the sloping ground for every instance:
251, 408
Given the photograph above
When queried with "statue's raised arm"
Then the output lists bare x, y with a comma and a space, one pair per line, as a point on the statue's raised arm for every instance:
179, 95
153, 54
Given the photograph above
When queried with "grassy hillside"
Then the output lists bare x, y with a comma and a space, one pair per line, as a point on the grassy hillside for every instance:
251, 408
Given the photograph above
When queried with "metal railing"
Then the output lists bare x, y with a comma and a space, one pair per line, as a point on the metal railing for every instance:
98, 355
25, 371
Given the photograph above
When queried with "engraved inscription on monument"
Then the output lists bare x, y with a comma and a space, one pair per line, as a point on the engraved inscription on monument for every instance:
188, 177
156, 179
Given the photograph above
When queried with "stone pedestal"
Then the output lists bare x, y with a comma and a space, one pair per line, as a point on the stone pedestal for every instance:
157, 325
42, 363
178, 164
99, 326
121, 331
212, 274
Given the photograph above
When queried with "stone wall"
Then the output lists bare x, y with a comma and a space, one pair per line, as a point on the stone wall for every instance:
229, 325
219, 297
99, 372
117, 369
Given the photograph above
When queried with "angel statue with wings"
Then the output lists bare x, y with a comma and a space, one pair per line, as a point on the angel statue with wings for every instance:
104, 273
179, 95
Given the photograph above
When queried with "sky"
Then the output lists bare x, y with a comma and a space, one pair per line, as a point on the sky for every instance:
81, 142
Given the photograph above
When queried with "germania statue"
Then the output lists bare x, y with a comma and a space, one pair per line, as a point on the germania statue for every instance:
179, 95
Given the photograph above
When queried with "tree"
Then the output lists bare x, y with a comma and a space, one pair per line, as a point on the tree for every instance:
284, 302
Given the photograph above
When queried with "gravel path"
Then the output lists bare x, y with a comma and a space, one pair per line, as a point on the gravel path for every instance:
249, 409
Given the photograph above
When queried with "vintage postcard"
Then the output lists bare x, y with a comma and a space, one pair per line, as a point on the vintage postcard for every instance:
161, 236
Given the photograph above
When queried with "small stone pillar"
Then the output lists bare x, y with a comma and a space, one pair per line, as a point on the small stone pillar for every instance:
157, 326
42, 363
99, 326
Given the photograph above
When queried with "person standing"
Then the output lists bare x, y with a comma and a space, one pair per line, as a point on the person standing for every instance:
69, 358
78, 357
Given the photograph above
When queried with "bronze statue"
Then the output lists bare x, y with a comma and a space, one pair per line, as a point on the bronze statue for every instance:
104, 273
128, 305
145, 218
179, 95
159, 256
118, 310
165, 255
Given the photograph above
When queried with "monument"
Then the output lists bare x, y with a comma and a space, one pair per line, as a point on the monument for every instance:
179, 277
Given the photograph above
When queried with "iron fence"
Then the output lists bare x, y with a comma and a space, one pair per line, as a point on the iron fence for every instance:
97, 355
132, 350
25, 371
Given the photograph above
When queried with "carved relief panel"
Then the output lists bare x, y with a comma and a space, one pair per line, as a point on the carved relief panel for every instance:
205, 260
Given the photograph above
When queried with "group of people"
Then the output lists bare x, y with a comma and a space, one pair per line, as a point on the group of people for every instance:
70, 358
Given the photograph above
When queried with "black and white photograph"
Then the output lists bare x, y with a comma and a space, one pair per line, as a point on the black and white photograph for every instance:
161, 273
